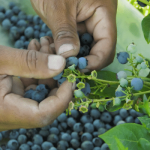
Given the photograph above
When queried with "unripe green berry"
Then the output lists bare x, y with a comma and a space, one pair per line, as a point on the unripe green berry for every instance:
123, 82
117, 101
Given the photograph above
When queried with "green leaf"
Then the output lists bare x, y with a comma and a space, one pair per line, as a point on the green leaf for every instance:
145, 122
143, 144
128, 134
145, 106
146, 28
120, 145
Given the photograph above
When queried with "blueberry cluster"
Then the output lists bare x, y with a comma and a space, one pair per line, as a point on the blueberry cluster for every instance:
22, 28
78, 131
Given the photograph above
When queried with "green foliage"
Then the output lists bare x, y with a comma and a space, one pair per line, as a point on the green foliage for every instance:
120, 145
128, 134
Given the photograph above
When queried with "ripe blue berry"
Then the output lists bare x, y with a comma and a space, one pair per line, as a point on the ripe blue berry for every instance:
13, 134
13, 144
122, 57
19, 44
55, 123
86, 137
11, 5
97, 141
129, 119
1, 136
53, 138
97, 148
83, 62
98, 124
61, 80
22, 139
117, 118
28, 94
37, 139
84, 51
26, 43
87, 145
29, 32
58, 76
49, 33
74, 143
106, 117
2, 9
30, 143
30, 18
119, 93
101, 130
78, 127
87, 89
123, 113
16, 10
24, 147
38, 96
95, 113
36, 19
35, 147
86, 119
89, 127
14, 33
46, 145
44, 28
74, 113
54, 130
133, 113
42, 34
108, 126
137, 84
6, 24
52, 148
2, 16
62, 117
36, 34
9, 13
71, 121
66, 137
44, 133
74, 135
105, 147
71, 60
121, 74
42, 87
86, 38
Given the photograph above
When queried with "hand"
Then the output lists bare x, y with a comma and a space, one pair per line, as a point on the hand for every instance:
19, 112
97, 17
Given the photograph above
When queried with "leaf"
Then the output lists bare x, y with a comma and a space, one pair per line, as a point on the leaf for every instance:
144, 98
112, 108
145, 122
143, 144
146, 28
120, 145
145, 106
128, 134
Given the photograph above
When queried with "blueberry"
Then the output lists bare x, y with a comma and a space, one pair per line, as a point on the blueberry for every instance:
123, 113
70, 149
75, 143
97, 148
21, 23
108, 126
2, 16
6, 24
46, 145
16, 10
74, 135
14, 33
42, 34
87, 89
120, 122
114, 113
11, 5
87, 145
120, 93
22, 15
83, 62
105, 147
62, 117
13, 144
36, 19
44, 133
64, 125
78, 149
117, 118
30, 143
52, 148
36, 147
133, 113
137, 121
23, 38
98, 124
71, 121
28, 94
86, 38
37, 139
24, 147
37, 27
26, 43
1, 136
95, 134
58, 76
74, 113
129, 119
62, 144
95, 113
29, 32
38, 96
13, 134
43, 87
14, 19
86, 119
71, 60
5, 134
22, 139
84, 51
55, 123
122, 57
44, 28
2, 9
106, 117
78, 127
9, 13
30, 18
49, 33
36, 34
61, 80
86, 137
89, 127
137, 84
66, 137
54, 130
97, 141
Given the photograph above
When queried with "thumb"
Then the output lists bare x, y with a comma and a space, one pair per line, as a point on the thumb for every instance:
64, 27
30, 63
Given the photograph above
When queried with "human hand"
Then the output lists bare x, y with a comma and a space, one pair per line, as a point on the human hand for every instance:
97, 17
32, 64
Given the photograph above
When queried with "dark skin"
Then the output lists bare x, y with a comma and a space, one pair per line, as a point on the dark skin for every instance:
64, 18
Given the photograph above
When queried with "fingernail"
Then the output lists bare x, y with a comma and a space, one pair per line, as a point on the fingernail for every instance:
43, 39
64, 48
55, 62
74, 86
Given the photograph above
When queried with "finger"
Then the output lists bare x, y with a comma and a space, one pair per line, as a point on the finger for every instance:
45, 48
103, 21
31, 113
53, 92
58, 102
81, 28
33, 45
30, 63
64, 27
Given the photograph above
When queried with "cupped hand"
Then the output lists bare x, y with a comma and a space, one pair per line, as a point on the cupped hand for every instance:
32, 64
97, 17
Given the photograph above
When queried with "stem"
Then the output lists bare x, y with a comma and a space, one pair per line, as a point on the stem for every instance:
144, 78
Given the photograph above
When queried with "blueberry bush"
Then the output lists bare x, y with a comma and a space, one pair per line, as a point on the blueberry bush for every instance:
108, 111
